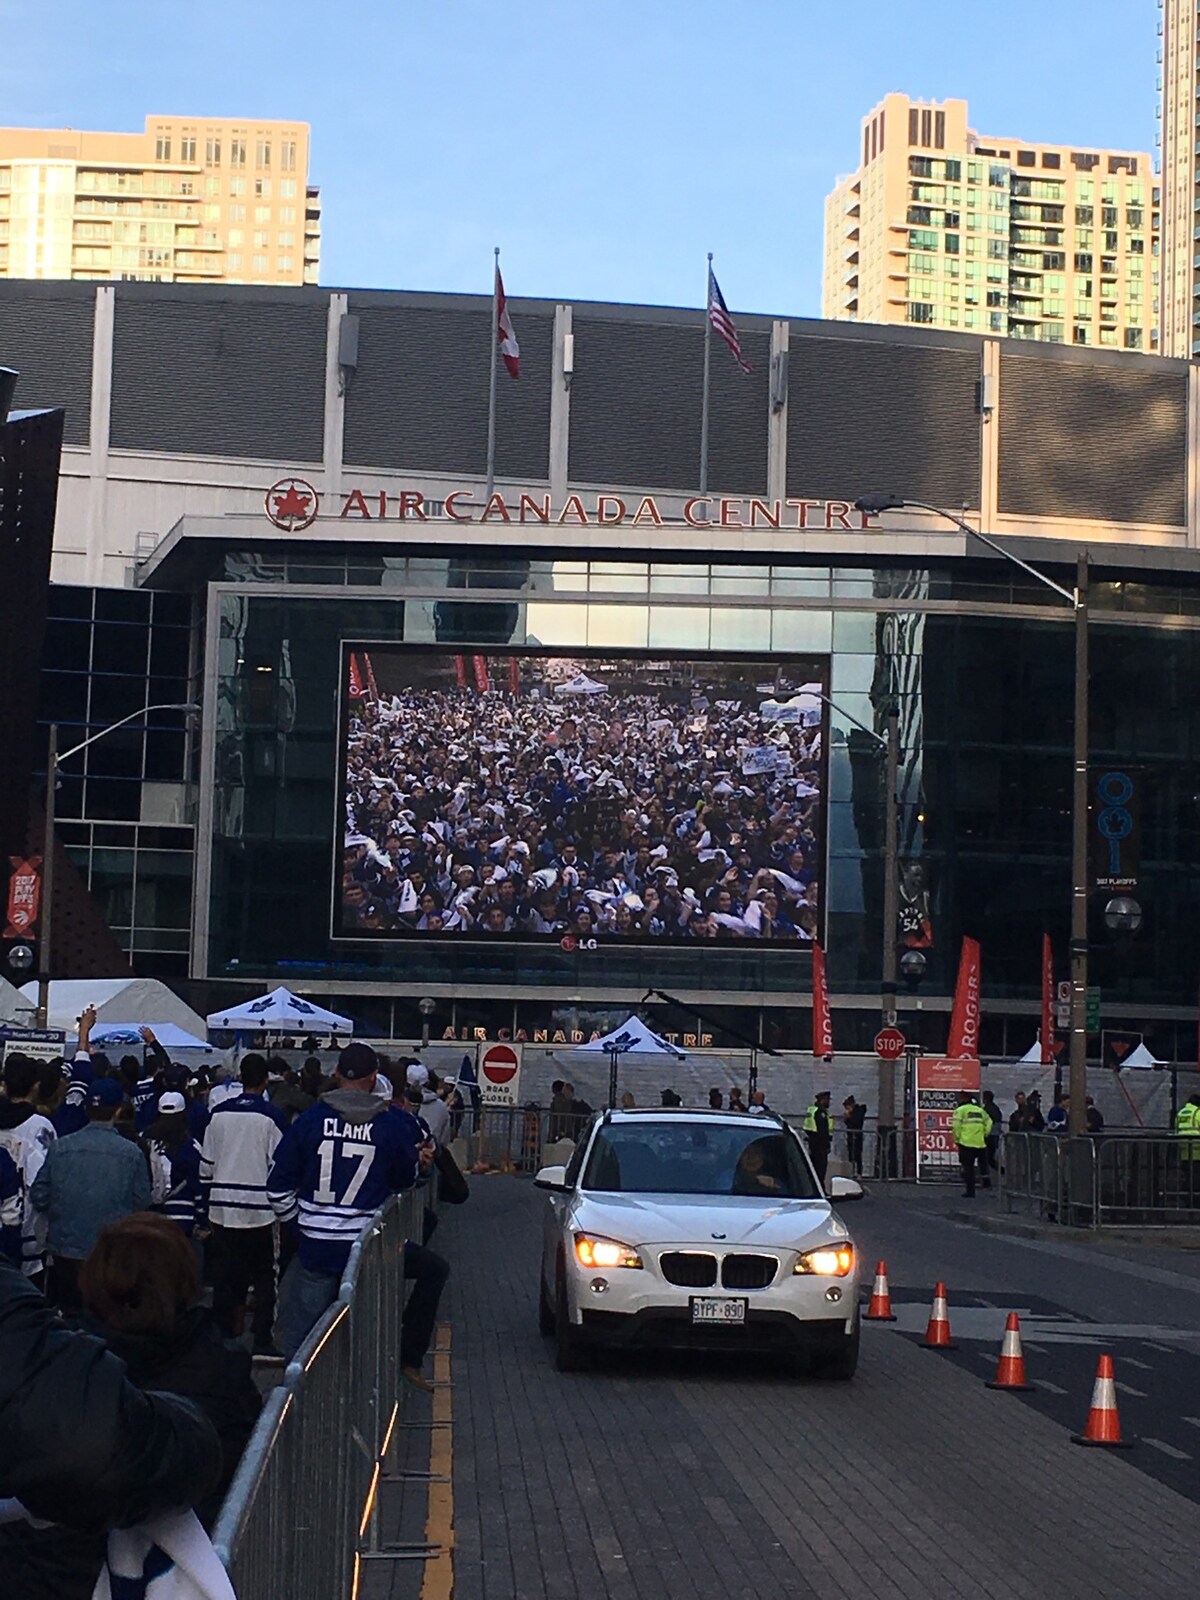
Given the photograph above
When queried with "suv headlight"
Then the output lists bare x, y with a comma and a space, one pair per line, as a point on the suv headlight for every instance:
829, 1261
591, 1251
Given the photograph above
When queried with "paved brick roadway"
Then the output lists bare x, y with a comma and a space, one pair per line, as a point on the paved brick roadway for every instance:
659, 1477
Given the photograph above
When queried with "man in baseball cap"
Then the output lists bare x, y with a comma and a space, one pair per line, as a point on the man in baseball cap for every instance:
356, 1062
104, 1098
88, 1179
336, 1165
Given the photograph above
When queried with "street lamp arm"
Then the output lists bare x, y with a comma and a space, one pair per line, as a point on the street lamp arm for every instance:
877, 503
849, 716
1077, 599
54, 761
112, 727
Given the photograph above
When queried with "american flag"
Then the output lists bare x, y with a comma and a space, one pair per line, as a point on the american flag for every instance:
722, 322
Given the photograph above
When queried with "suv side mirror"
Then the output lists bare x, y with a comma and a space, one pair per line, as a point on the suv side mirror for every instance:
552, 1178
843, 1189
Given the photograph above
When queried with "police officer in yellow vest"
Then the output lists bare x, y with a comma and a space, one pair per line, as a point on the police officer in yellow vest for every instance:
1187, 1127
817, 1133
970, 1126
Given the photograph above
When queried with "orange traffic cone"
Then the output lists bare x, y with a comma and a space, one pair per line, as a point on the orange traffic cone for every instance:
880, 1308
1010, 1373
1103, 1423
937, 1334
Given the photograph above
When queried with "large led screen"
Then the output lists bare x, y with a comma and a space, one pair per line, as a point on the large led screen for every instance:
581, 797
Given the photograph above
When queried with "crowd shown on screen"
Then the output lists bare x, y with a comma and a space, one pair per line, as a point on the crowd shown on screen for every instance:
640, 816
147, 1210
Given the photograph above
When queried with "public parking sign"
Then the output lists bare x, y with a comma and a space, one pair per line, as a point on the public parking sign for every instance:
889, 1044
499, 1069
939, 1081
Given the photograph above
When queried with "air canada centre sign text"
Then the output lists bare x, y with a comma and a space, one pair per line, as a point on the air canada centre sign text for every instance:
293, 505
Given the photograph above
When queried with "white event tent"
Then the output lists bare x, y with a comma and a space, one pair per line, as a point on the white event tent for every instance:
124, 1001
632, 1038
279, 1011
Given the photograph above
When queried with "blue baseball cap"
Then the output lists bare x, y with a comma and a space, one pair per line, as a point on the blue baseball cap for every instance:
357, 1060
105, 1092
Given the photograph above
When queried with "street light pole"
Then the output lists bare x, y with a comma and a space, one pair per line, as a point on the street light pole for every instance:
53, 762
45, 931
1077, 1108
1077, 599
891, 915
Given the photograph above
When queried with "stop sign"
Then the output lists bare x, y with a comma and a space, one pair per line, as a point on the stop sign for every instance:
499, 1064
889, 1043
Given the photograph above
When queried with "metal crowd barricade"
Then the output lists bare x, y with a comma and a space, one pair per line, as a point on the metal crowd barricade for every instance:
513, 1139
1034, 1177
1147, 1180
1127, 1179
295, 1520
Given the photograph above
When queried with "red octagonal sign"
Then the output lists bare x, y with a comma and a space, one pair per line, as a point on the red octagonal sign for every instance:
889, 1043
499, 1064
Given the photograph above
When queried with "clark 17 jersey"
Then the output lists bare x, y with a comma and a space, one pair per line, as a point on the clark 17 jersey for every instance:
335, 1166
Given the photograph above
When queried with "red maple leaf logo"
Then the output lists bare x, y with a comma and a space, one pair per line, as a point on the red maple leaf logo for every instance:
292, 504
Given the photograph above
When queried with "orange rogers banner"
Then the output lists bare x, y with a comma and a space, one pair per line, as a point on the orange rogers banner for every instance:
940, 1080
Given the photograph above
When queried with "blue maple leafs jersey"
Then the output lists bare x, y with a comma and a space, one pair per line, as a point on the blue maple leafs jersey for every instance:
335, 1166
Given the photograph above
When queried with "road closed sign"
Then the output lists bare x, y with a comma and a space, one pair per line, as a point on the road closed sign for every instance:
499, 1068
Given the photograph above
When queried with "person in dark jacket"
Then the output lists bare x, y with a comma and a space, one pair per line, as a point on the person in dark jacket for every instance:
83, 1447
1033, 1121
854, 1116
284, 1091
140, 1288
1016, 1117
11, 1208
818, 1135
996, 1117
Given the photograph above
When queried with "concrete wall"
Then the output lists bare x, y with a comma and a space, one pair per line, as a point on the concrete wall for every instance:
192, 402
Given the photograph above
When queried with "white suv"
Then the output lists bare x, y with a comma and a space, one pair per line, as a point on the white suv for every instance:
697, 1229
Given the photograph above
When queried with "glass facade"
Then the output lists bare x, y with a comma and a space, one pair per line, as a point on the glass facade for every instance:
979, 669
124, 803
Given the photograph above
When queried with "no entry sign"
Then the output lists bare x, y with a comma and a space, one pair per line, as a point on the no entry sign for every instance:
499, 1070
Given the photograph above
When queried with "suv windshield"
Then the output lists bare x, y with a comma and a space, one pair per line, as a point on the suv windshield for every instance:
699, 1158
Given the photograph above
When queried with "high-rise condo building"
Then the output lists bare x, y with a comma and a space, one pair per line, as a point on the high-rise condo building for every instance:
190, 200
948, 228
1179, 109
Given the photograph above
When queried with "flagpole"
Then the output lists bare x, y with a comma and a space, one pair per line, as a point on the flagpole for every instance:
492, 340
707, 365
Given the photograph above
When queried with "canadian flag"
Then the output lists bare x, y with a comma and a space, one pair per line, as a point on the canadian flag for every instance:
509, 348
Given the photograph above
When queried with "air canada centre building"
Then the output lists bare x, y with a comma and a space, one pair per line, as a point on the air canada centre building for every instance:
533, 752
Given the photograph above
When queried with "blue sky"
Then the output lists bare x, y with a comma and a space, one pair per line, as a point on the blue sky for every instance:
604, 147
